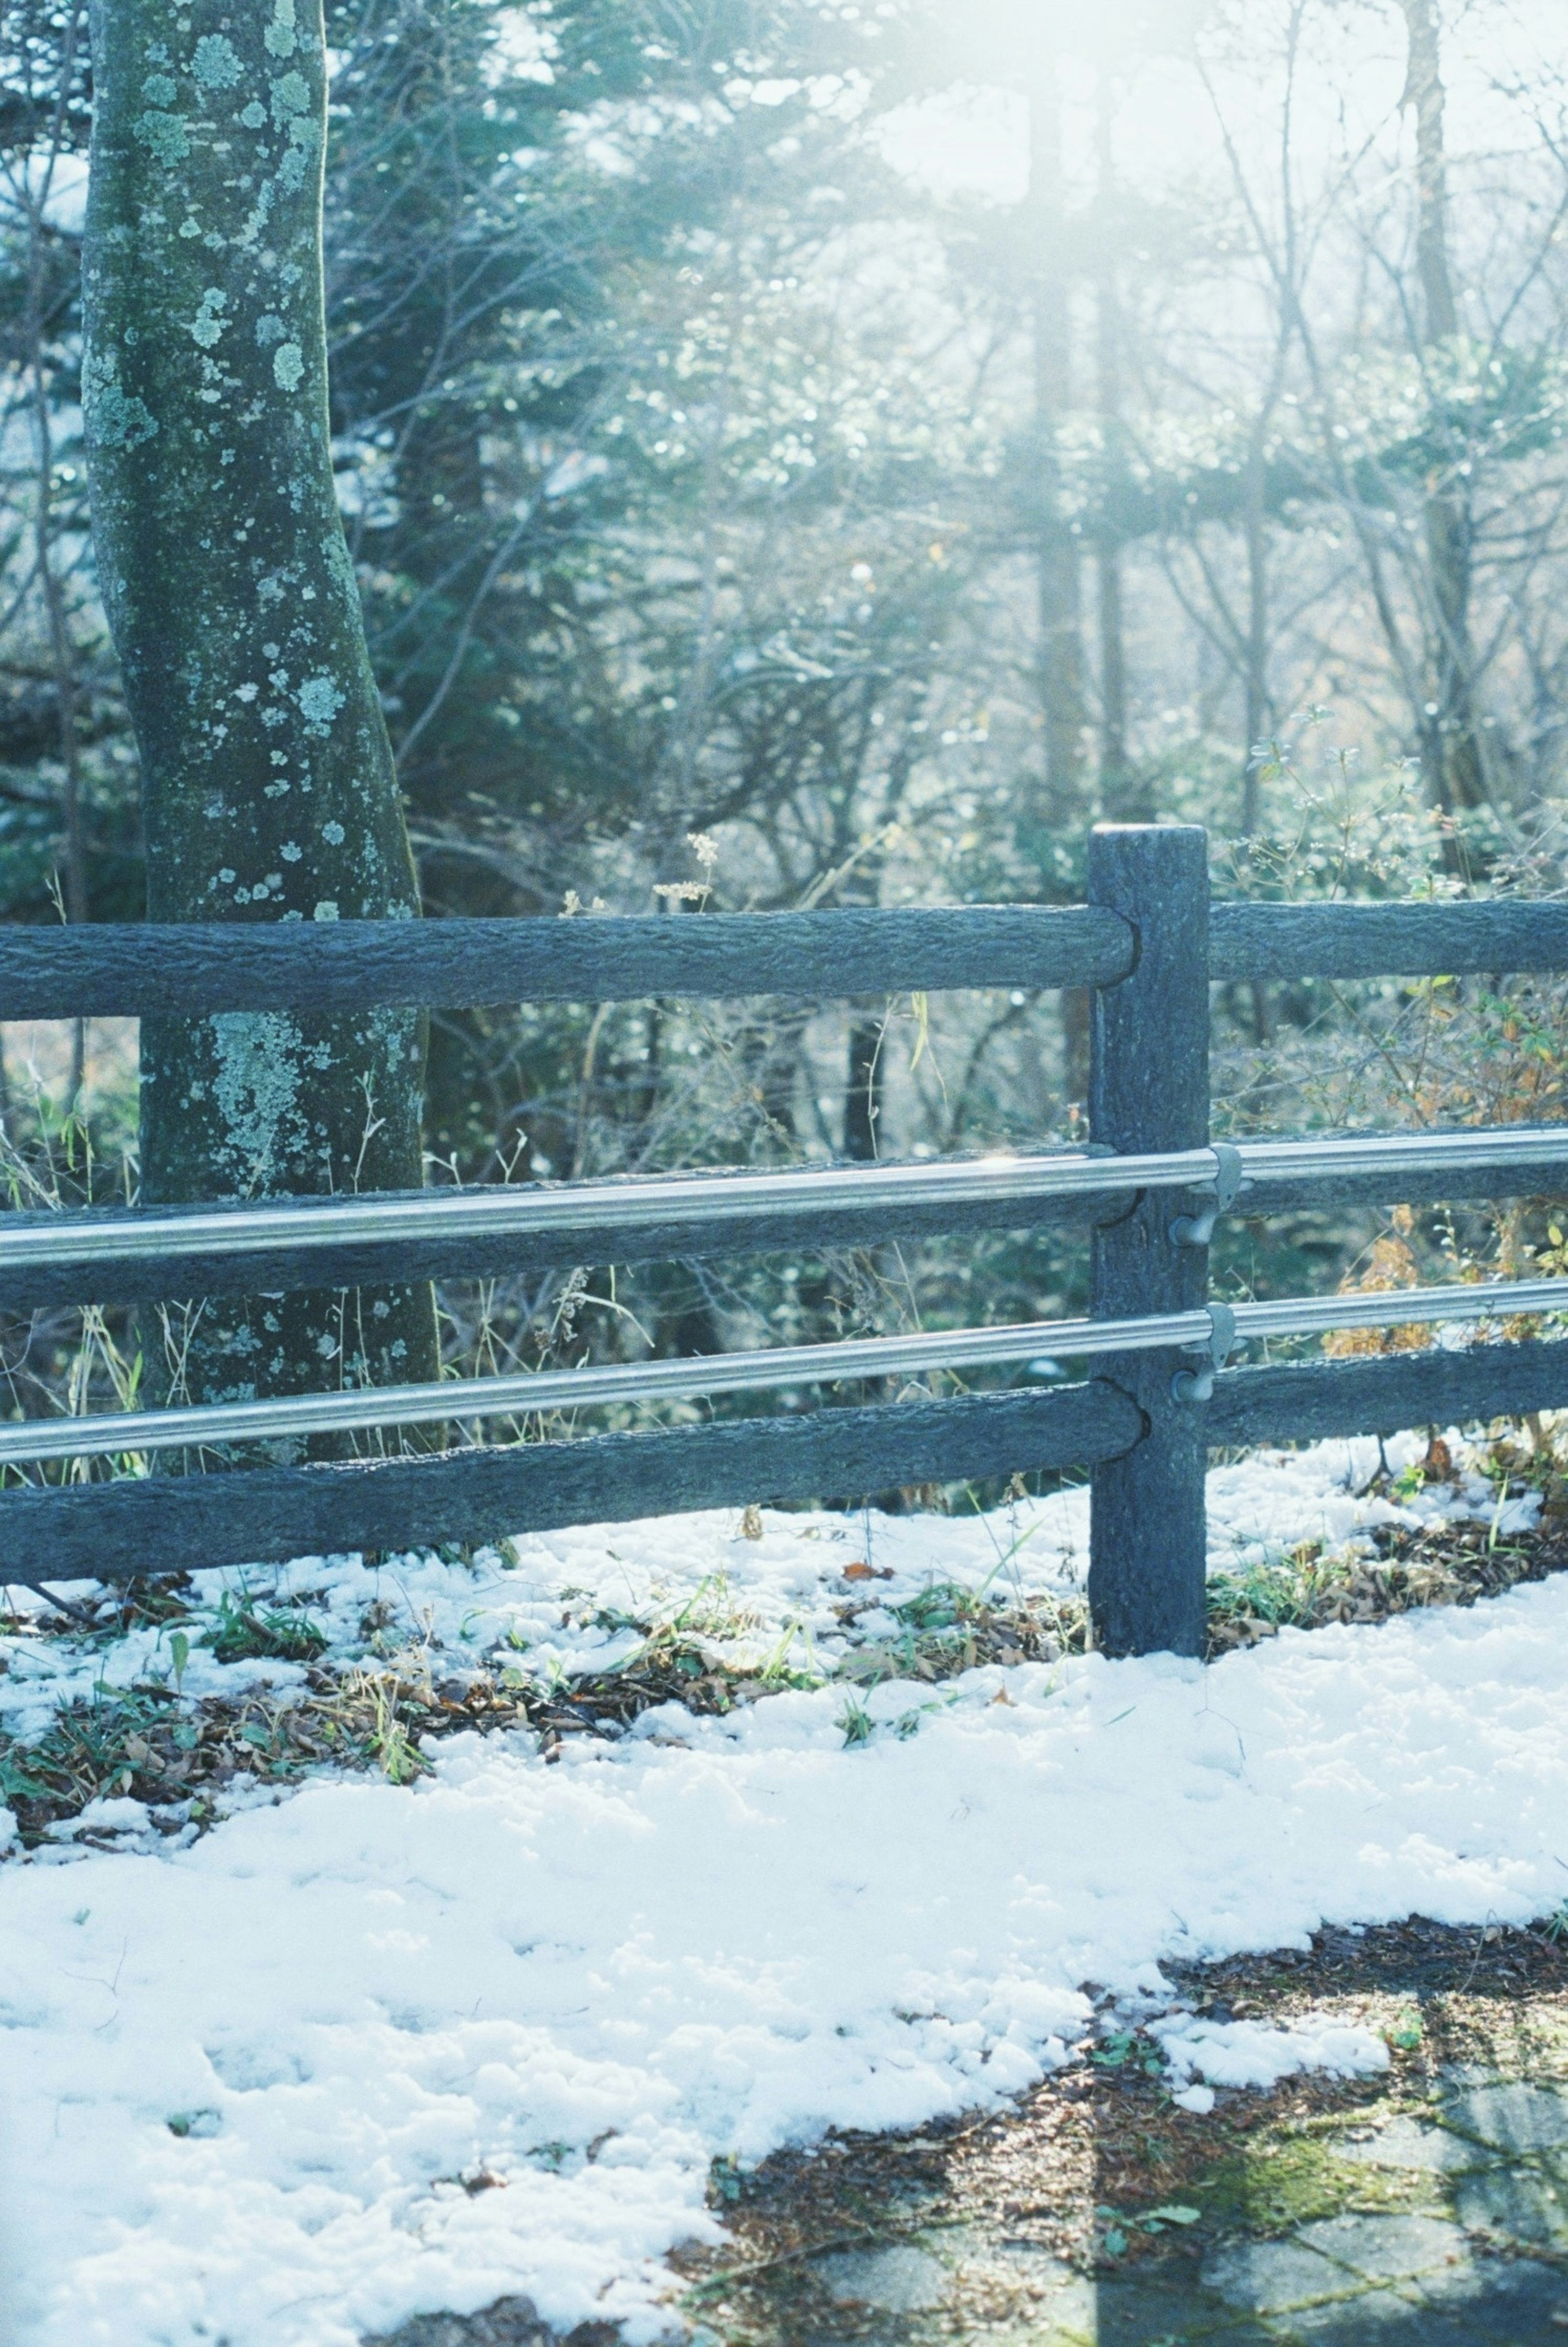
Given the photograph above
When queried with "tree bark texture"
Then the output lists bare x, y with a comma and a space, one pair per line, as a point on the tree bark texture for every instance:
1062, 806
1453, 746
269, 789
1126, 795
1060, 592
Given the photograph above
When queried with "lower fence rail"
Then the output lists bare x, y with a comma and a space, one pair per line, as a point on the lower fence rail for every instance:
140, 1526
145, 1526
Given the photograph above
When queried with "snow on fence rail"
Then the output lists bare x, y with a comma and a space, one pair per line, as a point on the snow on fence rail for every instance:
1146, 942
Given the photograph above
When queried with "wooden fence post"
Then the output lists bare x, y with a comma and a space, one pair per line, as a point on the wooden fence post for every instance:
1149, 1089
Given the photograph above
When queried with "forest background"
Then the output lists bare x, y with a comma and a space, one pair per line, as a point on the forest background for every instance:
799, 454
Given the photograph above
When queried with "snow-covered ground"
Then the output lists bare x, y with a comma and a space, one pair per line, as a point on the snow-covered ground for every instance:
545, 1602
247, 2081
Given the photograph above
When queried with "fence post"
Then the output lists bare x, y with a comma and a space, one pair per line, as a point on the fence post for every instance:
1149, 1089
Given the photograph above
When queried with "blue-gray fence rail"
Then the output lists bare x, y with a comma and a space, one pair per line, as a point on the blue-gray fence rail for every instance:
1149, 946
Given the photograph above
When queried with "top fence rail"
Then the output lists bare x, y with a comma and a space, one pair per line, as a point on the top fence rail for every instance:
145, 970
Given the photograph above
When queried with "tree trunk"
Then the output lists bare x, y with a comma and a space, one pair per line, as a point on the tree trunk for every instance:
1064, 809
1256, 712
1058, 570
269, 791
1451, 739
1125, 796
62, 646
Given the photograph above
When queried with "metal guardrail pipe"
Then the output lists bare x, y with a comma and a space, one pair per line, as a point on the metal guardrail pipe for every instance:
472, 1398
1493, 1150
467, 1399
591, 1207
600, 1211
1318, 1315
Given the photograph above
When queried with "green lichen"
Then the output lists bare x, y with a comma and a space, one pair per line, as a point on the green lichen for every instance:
208, 325
257, 1068
159, 90
290, 94
216, 64
116, 420
164, 135
288, 366
280, 35
254, 116
320, 701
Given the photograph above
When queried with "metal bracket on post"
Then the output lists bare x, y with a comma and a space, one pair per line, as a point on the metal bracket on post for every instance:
1198, 1230
1198, 1385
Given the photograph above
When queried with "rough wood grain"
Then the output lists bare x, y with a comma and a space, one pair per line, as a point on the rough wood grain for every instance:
1543, 1178
133, 970
265, 1515
1382, 1395
1285, 941
1149, 1089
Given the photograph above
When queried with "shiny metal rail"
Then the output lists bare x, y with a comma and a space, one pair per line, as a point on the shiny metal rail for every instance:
1494, 1149
1204, 1331
601, 1211
598, 1208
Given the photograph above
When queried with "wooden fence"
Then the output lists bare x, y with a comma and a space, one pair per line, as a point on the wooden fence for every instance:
1147, 944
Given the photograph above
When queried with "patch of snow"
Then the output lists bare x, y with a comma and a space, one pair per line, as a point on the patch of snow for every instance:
712, 1936
1258, 2053
1200, 2100
1273, 1501
104, 1817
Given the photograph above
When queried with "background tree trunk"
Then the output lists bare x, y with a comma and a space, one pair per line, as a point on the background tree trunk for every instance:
1057, 562
268, 792
1454, 755
1125, 795
1063, 809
